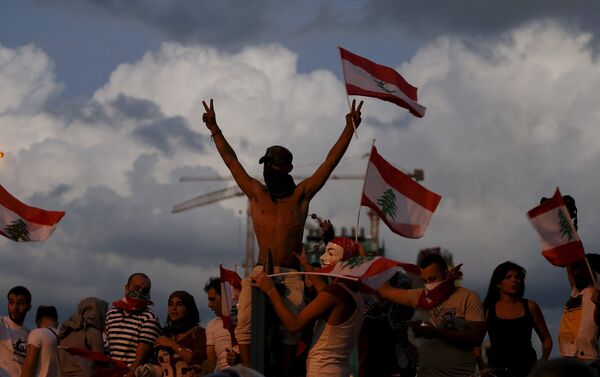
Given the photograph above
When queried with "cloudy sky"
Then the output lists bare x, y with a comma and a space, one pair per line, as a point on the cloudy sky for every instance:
100, 115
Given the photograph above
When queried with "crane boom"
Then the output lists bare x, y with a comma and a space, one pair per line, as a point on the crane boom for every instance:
211, 197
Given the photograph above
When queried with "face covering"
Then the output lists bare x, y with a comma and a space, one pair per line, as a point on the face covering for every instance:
280, 185
133, 300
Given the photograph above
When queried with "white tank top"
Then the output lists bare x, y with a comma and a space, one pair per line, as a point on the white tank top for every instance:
330, 354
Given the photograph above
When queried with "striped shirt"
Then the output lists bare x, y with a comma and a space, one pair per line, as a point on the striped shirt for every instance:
124, 330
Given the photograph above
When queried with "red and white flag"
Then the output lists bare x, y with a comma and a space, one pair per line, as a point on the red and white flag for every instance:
404, 205
20, 222
560, 243
231, 285
370, 271
366, 78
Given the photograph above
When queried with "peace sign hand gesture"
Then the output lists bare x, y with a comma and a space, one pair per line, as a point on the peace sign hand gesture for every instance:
354, 114
209, 116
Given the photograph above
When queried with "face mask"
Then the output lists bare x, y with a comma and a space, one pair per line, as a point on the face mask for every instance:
333, 254
431, 286
139, 295
280, 185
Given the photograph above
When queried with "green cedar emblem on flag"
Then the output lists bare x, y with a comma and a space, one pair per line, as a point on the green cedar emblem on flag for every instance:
357, 261
387, 203
18, 231
381, 84
565, 226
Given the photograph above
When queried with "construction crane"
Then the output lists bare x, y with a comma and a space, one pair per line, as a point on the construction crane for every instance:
235, 191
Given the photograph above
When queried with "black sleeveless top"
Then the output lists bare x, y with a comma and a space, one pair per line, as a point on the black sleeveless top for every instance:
511, 341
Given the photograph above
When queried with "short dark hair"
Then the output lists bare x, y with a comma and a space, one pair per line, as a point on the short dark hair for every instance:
437, 259
141, 274
46, 311
20, 290
213, 283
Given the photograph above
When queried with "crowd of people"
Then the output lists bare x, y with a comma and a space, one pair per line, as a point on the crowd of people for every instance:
426, 325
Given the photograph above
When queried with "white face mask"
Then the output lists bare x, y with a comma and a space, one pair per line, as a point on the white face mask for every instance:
431, 286
333, 254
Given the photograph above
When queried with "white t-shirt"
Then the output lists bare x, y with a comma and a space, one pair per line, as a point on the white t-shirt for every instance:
13, 347
220, 338
46, 340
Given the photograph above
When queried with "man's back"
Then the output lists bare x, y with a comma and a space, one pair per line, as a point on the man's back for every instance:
13, 347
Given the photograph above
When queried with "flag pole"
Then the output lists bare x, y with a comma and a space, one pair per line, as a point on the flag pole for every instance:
347, 95
592, 274
362, 191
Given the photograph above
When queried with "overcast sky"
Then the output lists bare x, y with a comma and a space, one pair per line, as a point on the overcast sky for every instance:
100, 115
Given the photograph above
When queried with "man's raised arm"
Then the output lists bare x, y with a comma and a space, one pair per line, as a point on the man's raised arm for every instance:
313, 184
227, 153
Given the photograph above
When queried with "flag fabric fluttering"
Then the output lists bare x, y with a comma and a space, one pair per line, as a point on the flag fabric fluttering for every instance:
366, 78
231, 285
405, 206
20, 222
560, 243
370, 271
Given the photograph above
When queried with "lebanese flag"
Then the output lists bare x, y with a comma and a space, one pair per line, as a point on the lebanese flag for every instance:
20, 222
366, 78
560, 243
404, 205
370, 271
231, 285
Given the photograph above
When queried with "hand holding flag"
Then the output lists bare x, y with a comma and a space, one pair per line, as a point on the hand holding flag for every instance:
560, 243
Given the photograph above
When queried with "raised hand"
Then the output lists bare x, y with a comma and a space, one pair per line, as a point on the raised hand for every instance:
354, 114
209, 117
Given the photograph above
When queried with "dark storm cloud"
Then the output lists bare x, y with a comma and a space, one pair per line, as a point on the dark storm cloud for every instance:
163, 133
233, 24
215, 22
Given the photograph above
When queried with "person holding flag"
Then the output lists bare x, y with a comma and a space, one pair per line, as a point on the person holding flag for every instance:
556, 221
338, 310
452, 319
219, 345
278, 209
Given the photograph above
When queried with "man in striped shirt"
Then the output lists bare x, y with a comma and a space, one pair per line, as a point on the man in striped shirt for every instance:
131, 327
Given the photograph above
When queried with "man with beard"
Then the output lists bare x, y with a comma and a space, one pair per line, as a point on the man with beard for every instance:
13, 335
278, 212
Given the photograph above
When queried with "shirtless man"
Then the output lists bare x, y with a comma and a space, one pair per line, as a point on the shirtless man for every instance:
278, 211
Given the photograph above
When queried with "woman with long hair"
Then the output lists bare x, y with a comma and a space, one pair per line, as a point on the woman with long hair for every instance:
182, 347
510, 319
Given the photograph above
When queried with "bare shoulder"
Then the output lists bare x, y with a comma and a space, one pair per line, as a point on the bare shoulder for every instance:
335, 290
533, 306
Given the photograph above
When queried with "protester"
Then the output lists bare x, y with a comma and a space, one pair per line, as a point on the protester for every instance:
131, 326
42, 345
339, 312
83, 330
218, 338
510, 319
452, 319
183, 343
13, 335
578, 334
278, 212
